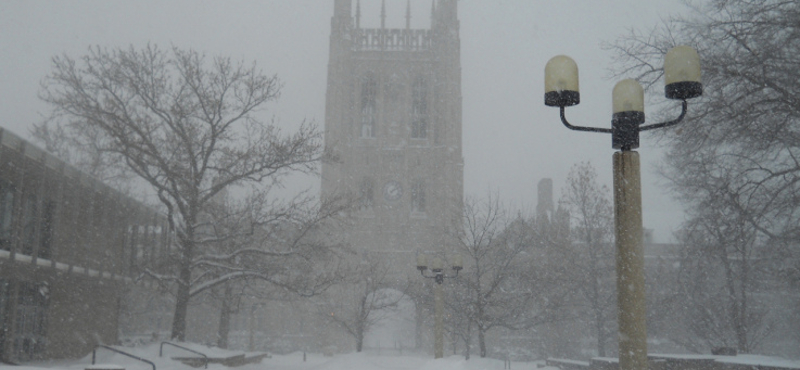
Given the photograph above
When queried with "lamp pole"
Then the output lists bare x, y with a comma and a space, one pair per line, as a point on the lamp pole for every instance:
682, 78
438, 275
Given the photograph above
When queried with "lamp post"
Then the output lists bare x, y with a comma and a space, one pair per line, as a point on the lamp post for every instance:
438, 275
682, 78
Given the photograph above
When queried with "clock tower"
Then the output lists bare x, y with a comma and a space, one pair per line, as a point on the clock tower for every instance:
393, 124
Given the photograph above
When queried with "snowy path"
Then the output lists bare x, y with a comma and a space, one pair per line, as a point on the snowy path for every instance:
293, 361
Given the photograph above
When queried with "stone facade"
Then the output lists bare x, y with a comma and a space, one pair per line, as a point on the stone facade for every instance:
393, 125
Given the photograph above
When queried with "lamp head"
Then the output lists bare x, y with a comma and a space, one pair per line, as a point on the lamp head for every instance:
561, 82
458, 262
422, 265
628, 108
436, 266
682, 73
627, 96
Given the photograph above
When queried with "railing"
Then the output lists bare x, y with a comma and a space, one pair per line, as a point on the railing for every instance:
161, 351
94, 351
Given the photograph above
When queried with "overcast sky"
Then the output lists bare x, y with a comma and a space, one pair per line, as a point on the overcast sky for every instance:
511, 140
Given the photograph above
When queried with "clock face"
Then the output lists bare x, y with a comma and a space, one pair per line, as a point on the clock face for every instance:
392, 191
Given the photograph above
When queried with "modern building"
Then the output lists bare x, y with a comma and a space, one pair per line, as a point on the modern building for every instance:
393, 125
69, 247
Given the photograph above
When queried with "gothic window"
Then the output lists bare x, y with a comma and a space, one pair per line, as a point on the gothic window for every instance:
6, 214
366, 194
419, 109
369, 90
418, 197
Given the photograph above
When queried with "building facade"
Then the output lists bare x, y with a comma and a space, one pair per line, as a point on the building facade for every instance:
69, 247
393, 126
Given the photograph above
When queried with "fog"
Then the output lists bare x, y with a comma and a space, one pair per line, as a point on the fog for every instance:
221, 259
510, 139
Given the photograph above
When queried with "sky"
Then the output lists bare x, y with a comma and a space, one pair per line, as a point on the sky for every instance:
511, 140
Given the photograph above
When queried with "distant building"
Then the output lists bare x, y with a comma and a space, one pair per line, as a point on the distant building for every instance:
68, 248
544, 204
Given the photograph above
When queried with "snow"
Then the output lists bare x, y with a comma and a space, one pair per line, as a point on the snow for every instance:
293, 361
756, 360
568, 361
686, 357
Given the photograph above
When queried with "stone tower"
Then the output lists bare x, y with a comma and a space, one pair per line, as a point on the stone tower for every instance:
393, 122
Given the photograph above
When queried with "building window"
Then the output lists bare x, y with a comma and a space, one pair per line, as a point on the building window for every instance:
29, 221
136, 251
29, 333
366, 194
46, 230
419, 109
369, 90
418, 197
6, 214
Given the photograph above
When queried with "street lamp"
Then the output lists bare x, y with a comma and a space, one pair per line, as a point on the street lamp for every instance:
682, 80
438, 275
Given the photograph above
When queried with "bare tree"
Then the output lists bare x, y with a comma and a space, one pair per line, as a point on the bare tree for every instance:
744, 133
189, 127
497, 288
364, 299
734, 162
724, 268
592, 250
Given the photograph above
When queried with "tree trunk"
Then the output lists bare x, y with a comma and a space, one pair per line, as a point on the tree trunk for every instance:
225, 318
359, 341
181, 306
184, 289
482, 340
601, 338
454, 339
600, 327
468, 341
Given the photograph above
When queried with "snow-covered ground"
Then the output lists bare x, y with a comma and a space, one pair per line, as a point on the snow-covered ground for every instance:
353, 361
384, 360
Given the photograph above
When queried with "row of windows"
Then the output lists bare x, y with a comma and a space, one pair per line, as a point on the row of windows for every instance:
419, 108
142, 244
63, 216
392, 192
35, 216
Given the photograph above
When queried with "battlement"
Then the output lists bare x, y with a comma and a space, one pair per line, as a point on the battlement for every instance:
383, 39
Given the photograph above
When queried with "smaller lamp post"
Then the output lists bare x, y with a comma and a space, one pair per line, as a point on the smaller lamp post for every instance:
438, 275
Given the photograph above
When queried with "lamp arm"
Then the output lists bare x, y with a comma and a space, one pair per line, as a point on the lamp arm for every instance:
674, 122
581, 128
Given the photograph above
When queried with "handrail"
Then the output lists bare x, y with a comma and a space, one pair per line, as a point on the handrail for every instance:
161, 350
94, 351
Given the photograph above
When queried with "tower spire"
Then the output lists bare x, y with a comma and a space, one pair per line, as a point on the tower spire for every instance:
341, 9
358, 14
383, 14
408, 14
433, 13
